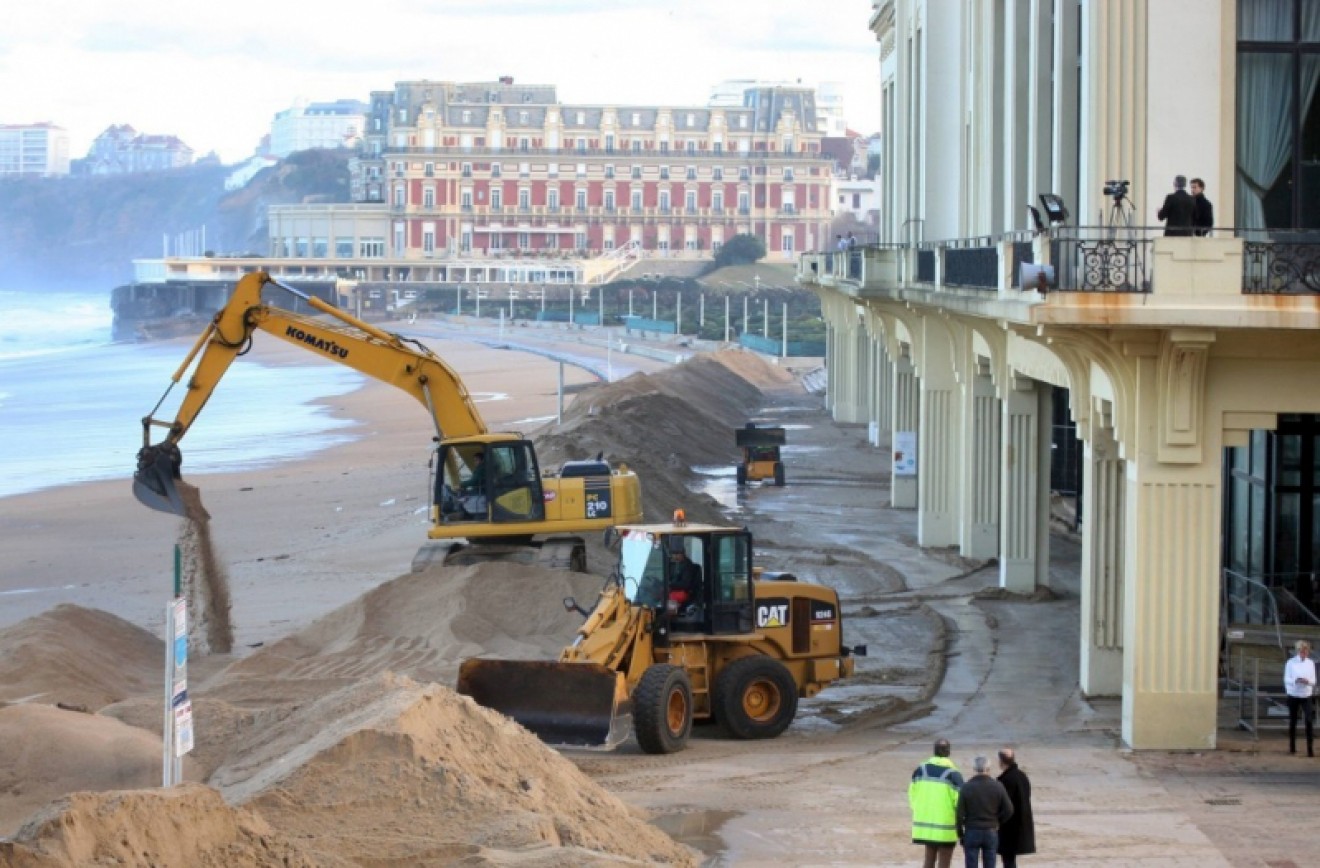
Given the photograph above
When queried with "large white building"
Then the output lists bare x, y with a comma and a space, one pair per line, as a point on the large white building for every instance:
831, 116
1184, 361
309, 125
33, 149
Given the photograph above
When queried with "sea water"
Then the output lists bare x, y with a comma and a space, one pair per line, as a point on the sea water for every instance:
72, 401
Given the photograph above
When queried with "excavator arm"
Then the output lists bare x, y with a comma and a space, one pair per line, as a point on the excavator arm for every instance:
345, 339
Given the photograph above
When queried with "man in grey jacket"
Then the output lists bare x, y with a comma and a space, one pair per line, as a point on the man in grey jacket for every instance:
983, 804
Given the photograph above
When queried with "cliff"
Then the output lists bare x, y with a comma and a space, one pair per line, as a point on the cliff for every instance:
83, 233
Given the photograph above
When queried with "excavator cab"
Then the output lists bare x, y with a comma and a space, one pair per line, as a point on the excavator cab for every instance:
485, 480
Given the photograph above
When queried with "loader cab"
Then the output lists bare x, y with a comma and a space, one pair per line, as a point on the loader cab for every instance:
653, 564
488, 482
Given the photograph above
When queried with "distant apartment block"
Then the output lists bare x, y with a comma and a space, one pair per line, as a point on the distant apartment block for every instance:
122, 150
33, 149
305, 126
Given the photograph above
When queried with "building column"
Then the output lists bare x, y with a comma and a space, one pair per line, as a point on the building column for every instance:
979, 486
1102, 512
848, 372
831, 366
1171, 571
1024, 496
884, 394
940, 438
903, 441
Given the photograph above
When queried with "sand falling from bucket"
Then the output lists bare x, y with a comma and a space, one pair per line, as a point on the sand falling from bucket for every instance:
205, 581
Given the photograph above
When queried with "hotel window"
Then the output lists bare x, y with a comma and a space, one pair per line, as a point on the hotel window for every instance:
717, 202
608, 244
343, 248
717, 173
371, 248
664, 146
609, 143
496, 199
692, 146
494, 170
465, 198
609, 172
609, 200
429, 170
788, 144
742, 122
744, 203
690, 201
524, 170
637, 200
467, 116
581, 200
786, 244
664, 173
580, 240
552, 170
522, 117
719, 147
552, 200
320, 248
428, 197
691, 120
524, 240
465, 242
582, 170
524, 144
692, 173
582, 146
788, 173
524, 199
1278, 122
400, 240
636, 145
551, 241
664, 201
399, 199
428, 241
637, 171
636, 119
582, 119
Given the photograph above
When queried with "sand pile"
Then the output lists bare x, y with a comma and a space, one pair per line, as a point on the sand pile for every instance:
189, 825
663, 424
80, 658
422, 625
392, 772
47, 752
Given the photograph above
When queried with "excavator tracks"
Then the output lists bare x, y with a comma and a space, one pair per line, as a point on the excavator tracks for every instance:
556, 553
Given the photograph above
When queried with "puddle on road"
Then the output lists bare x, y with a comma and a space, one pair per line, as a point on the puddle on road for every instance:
697, 829
719, 481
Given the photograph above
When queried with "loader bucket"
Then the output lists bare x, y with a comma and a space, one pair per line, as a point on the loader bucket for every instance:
153, 483
564, 704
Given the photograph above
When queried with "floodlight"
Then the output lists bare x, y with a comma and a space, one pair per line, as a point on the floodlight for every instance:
1035, 218
1054, 208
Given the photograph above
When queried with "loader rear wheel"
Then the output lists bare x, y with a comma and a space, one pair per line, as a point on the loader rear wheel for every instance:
755, 697
662, 709
779, 474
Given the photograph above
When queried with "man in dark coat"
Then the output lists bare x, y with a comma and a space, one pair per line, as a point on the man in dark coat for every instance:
1178, 209
1203, 213
1017, 836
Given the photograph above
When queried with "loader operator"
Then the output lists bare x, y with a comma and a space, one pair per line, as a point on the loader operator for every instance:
684, 580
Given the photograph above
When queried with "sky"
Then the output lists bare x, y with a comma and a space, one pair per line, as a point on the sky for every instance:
214, 74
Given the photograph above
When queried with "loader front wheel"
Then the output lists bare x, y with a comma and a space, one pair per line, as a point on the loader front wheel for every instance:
662, 709
755, 697
779, 474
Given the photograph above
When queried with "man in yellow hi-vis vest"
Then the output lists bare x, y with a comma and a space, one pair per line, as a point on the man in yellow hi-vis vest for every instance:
933, 795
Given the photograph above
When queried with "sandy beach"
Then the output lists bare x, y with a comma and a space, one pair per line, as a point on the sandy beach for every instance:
299, 539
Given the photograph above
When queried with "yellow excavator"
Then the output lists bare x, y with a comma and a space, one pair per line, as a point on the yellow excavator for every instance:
490, 499
685, 629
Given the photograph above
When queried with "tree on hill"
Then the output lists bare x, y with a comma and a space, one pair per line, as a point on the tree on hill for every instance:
741, 249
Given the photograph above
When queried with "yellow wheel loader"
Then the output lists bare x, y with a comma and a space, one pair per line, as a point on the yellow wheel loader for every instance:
490, 498
760, 454
685, 629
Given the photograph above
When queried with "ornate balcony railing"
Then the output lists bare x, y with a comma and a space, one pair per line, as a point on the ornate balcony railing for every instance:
1280, 263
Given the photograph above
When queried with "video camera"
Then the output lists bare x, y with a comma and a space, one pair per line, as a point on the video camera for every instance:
1117, 189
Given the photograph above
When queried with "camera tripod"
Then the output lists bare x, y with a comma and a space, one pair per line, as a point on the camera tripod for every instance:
1120, 213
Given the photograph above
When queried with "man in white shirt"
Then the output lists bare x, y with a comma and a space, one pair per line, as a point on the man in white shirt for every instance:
1299, 681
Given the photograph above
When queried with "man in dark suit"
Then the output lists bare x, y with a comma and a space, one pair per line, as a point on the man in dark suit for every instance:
1017, 836
1203, 213
1178, 209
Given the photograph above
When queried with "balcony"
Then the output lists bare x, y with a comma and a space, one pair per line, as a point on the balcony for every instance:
1253, 278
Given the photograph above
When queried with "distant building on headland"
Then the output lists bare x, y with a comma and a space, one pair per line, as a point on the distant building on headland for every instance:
40, 150
309, 125
122, 150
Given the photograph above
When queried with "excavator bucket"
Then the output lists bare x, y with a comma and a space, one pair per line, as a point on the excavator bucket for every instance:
153, 483
563, 704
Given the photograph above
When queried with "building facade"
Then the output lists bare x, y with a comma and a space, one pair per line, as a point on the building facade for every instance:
1186, 360
40, 150
495, 169
308, 125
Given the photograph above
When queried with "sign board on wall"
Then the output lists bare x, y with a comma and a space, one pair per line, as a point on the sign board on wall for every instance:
905, 453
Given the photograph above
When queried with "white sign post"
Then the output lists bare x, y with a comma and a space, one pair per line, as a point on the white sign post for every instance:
905, 453
178, 731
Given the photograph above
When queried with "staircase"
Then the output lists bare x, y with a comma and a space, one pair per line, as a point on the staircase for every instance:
1257, 647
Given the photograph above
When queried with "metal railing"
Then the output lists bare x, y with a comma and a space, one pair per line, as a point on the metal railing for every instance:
1279, 262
